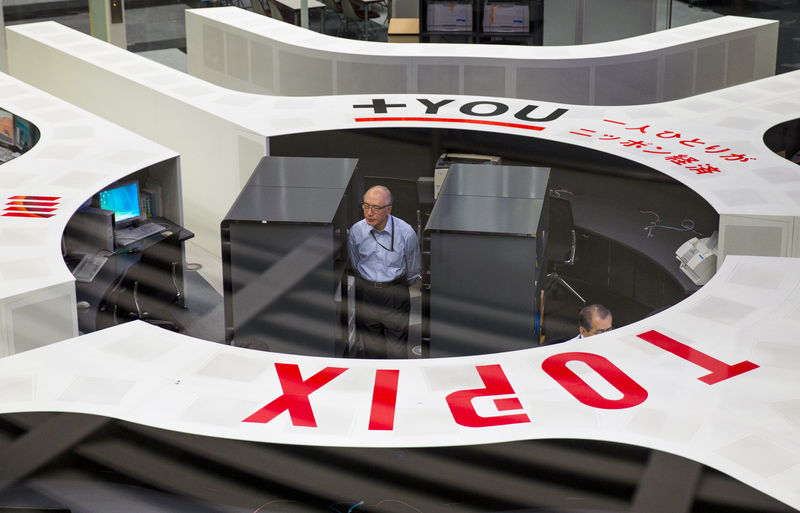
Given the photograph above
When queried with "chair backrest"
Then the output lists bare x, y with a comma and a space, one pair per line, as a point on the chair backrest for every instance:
559, 237
146, 286
157, 270
260, 7
275, 12
332, 6
151, 284
349, 11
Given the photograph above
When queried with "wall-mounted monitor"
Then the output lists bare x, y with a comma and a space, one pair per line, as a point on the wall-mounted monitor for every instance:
6, 127
123, 200
25, 133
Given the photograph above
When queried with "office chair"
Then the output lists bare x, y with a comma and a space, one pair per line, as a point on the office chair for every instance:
557, 246
558, 238
388, 5
275, 12
336, 8
356, 16
149, 288
261, 7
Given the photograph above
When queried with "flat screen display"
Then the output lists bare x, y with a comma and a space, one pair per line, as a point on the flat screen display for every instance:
124, 201
6, 127
25, 133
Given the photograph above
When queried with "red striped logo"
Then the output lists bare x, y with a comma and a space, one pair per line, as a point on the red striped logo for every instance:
31, 206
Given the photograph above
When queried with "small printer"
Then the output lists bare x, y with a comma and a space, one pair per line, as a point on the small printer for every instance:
698, 258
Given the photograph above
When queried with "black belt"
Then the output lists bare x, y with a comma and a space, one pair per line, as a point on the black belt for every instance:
383, 284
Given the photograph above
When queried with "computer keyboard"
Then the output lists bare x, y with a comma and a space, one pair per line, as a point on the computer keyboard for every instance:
88, 267
130, 235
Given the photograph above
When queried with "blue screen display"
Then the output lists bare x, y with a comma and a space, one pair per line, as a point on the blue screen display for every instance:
123, 200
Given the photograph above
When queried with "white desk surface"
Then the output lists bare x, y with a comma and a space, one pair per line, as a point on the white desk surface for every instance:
296, 4
746, 426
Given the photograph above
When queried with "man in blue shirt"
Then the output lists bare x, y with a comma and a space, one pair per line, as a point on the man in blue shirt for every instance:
384, 253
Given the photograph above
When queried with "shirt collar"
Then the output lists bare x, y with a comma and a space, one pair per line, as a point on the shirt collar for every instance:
389, 221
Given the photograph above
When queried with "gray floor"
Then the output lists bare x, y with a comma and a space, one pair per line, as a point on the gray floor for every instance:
172, 57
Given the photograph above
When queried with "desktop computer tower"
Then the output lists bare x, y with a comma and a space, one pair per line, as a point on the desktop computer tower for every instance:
89, 230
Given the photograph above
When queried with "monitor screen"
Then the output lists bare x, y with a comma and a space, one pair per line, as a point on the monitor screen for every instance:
123, 200
25, 133
6, 127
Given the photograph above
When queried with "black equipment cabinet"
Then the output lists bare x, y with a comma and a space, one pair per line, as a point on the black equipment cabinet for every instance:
284, 254
483, 248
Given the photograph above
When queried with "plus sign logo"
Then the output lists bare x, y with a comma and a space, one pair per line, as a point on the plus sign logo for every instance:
379, 106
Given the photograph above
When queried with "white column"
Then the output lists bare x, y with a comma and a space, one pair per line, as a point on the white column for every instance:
107, 21
3, 55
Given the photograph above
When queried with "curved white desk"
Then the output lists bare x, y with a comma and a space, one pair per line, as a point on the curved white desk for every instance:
743, 321
242, 50
77, 155
745, 425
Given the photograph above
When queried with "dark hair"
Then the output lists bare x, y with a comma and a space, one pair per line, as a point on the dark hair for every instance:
588, 312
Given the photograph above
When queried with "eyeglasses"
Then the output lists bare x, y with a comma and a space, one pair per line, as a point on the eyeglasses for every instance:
597, 332
374, 208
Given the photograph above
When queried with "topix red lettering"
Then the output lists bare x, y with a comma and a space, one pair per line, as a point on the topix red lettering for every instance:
718, 370
295, 395
384, 400
632, 393
495, 383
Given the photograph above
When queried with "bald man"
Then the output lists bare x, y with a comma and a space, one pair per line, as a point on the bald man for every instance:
384, 253
593, 320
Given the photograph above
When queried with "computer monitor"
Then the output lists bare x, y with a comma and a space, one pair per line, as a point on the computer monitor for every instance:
123, 200
6, 127
25, 134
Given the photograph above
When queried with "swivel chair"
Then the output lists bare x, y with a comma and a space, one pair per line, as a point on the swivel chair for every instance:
558, 245
355, 17
149, 288
261, 7
559, 239
276, 13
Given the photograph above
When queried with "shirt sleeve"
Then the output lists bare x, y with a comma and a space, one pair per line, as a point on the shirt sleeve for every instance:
413, 258
352, 251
